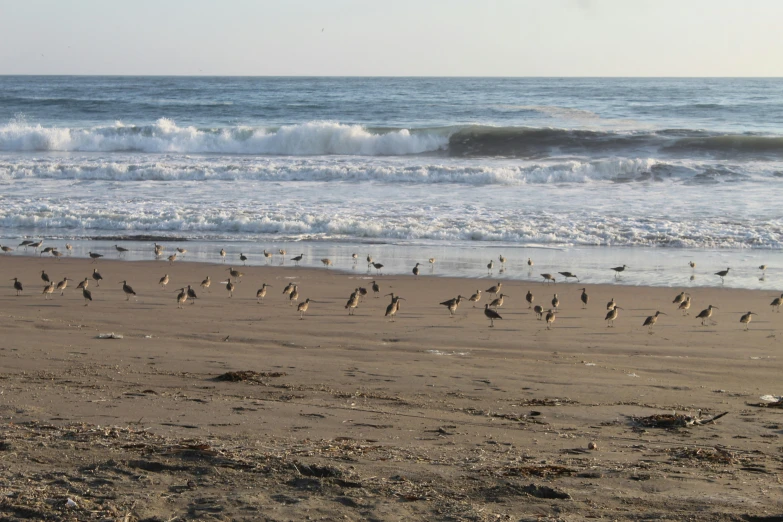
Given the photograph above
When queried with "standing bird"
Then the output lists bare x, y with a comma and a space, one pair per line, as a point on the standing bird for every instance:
369, 261
618, 269
267, 255
326, 262
550, 317
205, 283
691, 264
376, 289
44, 276
164, 281
567, 275
158, 249
706, 314
763, 269
651, 320
282, 253
378, 267
394, 307
288, 289
416, 270
84, 284
611, 304
555, 302
261, 292
502, 259
172, 258
120, 250
362, 293
37, 245
97, 276
529, 297
236, 274
722, 274
611, 315
685, 305
243, 258
539, 310
529, 262
355, 258
56, 253
431, 262
25, 244
548, 278
182, 251
775, 304
6, 249
45, 251
294, 296
192, 295
48, 290
62, 285
490, 266
181, 297
302, 308
297, 259
746, 318
584, 298
352, 303
475, 298
678, 298
95, 257
494, 290
491, 315
223, 254
453, 304
498, 302
230, 287
87, 295
69, 248
127, 289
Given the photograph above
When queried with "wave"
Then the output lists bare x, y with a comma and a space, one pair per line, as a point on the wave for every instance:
320, 138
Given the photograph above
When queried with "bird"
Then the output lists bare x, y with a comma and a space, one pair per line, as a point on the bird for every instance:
243, 258
181, 297
539, 310
763, 268
127, 289
158, 250
282, 252
491, 315
618, 269
651, 320
776, 303
722, 274
6, 249
288, 289
62, 285
95, 257
550, 318
502, 259
431, 262
529, 297
416, 270
69, 248
611, 304
393, 307
302, 308
584, 298
453, 304
378, 267
490, 266
529, 262
182, 251
230, 287
293, 296
475, 298
261, 292
498, 301
236, 274
97, 276
192, 295
494, 290
46, 251
376, 289
206, 282
611, 315
706, 314
678, 298
326, 262
548, 278
355, 258
87, 295
685, 305
362, 293
120, 250
369, 260
172, 258
48, 290
567, 275
352, 303
746, 318
297, 259
223, 254
25, 244
37, 245
56, 253
555, 302
691, 264
44, 276
267, 255
164, 281
84, 284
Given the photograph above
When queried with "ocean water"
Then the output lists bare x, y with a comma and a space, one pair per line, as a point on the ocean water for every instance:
579, 174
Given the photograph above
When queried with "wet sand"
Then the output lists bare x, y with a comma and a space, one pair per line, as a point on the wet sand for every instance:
354, 417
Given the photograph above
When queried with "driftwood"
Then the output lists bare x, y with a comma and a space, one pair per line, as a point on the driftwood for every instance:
674, 420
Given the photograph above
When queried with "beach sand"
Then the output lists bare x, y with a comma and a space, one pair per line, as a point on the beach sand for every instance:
358, 418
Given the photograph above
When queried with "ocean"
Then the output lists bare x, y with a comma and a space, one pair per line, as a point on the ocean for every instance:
578, 174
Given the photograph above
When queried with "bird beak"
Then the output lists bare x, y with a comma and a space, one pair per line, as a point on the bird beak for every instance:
663, 313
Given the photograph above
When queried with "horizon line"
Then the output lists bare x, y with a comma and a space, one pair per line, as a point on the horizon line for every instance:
379, 76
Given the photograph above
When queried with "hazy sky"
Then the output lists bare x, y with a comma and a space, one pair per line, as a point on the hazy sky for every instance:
393, 37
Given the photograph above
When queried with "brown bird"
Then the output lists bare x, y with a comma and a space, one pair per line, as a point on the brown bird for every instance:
376, 289
453, 304
491, 315
548, 278
164, 281
192, 295
261, 293
83, 284
746, 318
584, 297
127, 289
48, 290
394, 306
550, 318
651, 320
62, 285
475, 298
17, 286
297, 259
87, 295
539, 310
706, 314
568, 275
776, 303
494, 290
529, 297
44, 276
722, 274
611, 315
302, 308
97, 276
293, 296
95, 257
181, 297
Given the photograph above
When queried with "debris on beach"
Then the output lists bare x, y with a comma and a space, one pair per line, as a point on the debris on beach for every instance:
247, 375
674, 420
111, 335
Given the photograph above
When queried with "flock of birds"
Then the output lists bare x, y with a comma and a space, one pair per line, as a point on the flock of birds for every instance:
291, 291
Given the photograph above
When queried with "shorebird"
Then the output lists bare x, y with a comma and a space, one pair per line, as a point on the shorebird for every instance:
44, 276
192, 295
288, 289
584, 298
550, 318
611, 304
746, 318
172, 258
326, 262
25, 244
355, 258
453, 304
369, 261
685, 305
87, 295
182, 251
475, 298
297, 259
568, 275
268, 255
362, 293
618, 269
611, 315
62, 285
431, 262
678, 298
691, 264
293, 296
84, 284
651, 320
120, 250
223, 254
6, 249
539, 310
722, 274
378, 267
555, 302
394, 307
416, 270
230, 287
56, 253
243, 258
97, 276
776, 303
37, 245
375, 289
158, 250
494, 290
498, 302
127, 289
95, 257
763, 269
706, 314
490, 266
261, 292
206, 282
69, 248
181, 297
502, 259
352, 303
45, 251
491, 315
236, 274
529, 262
302, 308
529, 297
548, 278
48, 290
164, 281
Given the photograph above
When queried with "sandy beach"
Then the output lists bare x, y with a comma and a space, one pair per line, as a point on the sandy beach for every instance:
355, 417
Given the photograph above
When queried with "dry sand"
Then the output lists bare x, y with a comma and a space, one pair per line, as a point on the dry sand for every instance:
358, 418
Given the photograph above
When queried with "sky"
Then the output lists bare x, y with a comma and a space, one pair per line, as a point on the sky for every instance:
392, 37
